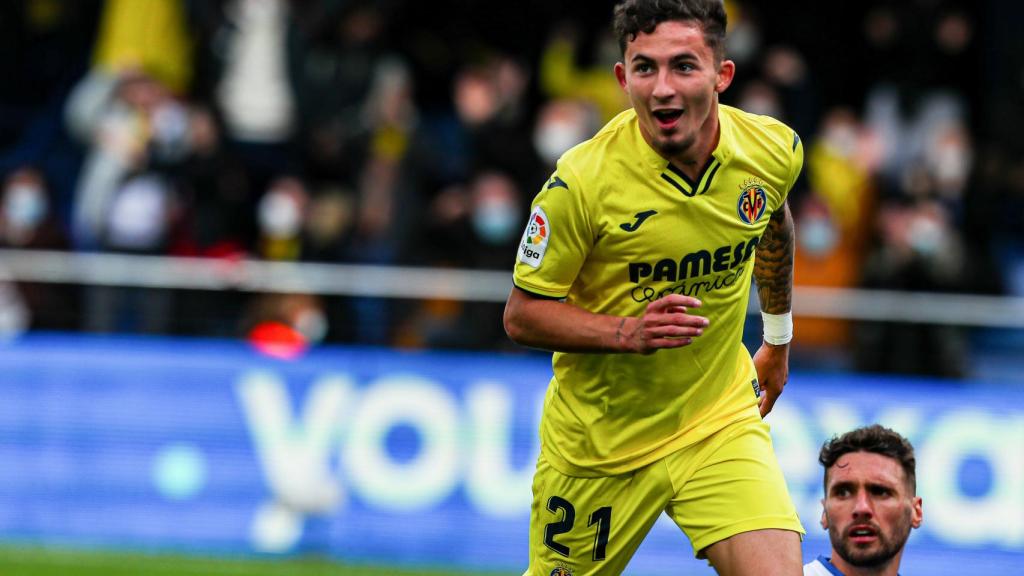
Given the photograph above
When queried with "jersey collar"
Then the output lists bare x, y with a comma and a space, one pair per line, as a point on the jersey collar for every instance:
829, 566
675, 176
669, 173
827, 563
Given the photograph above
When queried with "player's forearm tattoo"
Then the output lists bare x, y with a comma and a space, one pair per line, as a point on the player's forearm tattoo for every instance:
618, 332
773, 265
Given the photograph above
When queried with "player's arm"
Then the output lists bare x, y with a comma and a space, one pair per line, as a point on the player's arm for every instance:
773, 272
555, 325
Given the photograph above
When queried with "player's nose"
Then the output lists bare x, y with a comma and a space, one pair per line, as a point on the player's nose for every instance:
663, 90
862, 504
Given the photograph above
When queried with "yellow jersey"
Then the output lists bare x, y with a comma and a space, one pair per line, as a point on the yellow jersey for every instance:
617, 227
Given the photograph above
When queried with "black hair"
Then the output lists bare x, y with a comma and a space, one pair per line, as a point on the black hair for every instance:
876, 439
633, 17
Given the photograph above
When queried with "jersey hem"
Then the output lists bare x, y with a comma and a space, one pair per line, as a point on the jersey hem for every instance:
689, 438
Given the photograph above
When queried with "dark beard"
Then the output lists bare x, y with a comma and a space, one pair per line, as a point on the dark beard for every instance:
880, 556
673, 149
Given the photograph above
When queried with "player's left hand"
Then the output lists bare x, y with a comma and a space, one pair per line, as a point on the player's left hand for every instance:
772, 365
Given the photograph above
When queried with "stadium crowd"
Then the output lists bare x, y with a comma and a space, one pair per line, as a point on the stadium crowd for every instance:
398, 132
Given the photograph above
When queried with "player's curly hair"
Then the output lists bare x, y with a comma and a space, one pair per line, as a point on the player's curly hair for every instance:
876, 439
633, 17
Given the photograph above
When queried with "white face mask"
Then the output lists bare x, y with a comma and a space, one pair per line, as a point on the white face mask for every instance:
279, 215
817, 236
312, 323
138, 214
552, 139
926, 236
25, 206
952, 163
842, 140
495, 222
761, 105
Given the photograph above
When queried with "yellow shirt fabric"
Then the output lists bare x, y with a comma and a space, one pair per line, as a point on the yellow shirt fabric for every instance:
150, 35
617, 227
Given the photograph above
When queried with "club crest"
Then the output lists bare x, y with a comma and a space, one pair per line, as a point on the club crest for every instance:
752, 202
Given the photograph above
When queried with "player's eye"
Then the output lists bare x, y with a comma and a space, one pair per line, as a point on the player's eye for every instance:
642, 68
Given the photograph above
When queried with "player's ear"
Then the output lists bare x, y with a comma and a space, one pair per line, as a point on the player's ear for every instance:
620, 75
918, 513
824, 516
726, 72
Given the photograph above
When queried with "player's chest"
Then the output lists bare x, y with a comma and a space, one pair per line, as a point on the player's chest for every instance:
655, 216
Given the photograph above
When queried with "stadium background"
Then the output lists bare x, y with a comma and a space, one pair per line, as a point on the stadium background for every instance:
173, 407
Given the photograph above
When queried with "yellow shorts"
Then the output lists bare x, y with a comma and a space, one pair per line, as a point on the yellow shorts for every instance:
724, 485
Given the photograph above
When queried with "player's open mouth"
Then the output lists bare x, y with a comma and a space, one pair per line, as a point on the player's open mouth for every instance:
863, 534
667, 117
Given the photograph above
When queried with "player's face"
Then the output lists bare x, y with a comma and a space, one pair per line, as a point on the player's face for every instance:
673, 79
868, 509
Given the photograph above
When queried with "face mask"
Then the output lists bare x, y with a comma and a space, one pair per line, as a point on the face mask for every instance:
951, 163
312, 323
817, 236
495, 222
138, 214
279, 215
25, 206
170, 131
926, 236
761, 105
842, 140
553, 138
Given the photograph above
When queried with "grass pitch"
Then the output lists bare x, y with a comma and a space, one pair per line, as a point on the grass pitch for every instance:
18, 561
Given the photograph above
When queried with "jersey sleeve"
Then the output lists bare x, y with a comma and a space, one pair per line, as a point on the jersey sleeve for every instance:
795, 166
557, 239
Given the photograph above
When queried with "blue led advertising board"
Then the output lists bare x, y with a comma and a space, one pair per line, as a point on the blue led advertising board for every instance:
419, 458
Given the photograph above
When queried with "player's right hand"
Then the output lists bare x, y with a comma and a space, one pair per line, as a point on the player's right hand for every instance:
666, 323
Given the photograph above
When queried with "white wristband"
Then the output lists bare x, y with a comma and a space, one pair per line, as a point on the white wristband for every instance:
778, 328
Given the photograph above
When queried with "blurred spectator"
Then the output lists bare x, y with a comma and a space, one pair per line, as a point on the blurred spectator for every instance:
249, 64
496, 128
743, 37
150, 36
787, 71
281, 213
760, 97
284, 325
131, 125
833, 218
44, 47
478, 227
136, 133
345, 49
917, 250
28, 219
561, 77
328, 225
27, 222
562, 124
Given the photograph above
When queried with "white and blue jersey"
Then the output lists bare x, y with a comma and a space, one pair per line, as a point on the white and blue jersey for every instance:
821, 566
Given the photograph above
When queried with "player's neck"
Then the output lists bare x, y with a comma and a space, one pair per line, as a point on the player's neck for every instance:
692, 160
890, 568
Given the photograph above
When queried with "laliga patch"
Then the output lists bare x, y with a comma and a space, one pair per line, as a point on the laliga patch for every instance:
535, 238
